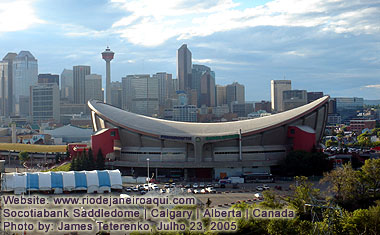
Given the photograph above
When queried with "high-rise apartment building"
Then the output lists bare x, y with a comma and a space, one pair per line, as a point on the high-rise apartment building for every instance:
165, 87
116, 94
221, 96
263, 105
79, 74
207, 89
293, 98
348, 107
93, 87
311, 96
6, 85
25, 74
141, 94
184, 65
277, 87
235, 93
67, 85
44, 102
185, 113
48, 78
203, 82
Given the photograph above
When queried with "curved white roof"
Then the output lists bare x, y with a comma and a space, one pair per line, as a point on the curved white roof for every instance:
156, 126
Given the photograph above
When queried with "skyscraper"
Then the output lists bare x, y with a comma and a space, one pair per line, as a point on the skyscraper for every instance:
93, 87
184, 65
200, 72
48, 78
277, 88
221, 96
25, 74
165, 87
207, 89
67, 85
6, 84
293, 98
116, 94
107, 55
79, 74
235, 93
44, 102
141, 94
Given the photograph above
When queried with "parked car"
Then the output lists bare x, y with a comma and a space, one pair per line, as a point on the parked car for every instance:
259, 188
266, 187
188, 186
216, 185
172, 185
167, 185
259, 196
128, 189
195, 185
202, 185
209, 185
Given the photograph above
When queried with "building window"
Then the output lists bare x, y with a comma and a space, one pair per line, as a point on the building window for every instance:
113, 133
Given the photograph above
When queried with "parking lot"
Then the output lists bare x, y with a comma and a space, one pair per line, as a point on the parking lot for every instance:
220, 197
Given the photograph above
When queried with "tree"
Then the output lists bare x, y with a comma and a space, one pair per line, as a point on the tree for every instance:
23, 157
305, 163
271, 200
371, 174
363, 221
57, 158
364, 139
304, 192
100, 165
74, 164
345, 185
91, 162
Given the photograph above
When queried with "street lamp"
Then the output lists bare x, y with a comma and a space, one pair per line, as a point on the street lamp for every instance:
147, 160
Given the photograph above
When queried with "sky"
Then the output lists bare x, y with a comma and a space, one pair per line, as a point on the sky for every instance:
321, 45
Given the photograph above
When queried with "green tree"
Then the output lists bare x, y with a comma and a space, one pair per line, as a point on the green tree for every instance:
304, 193
364, 139
371, 174
81, 162
74, 164
363, 221
305, 163
330, 143
91, 161
271, 200
100, 165
57, 158
345, 184
23, 157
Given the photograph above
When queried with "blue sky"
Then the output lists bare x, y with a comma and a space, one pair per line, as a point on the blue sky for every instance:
321, 45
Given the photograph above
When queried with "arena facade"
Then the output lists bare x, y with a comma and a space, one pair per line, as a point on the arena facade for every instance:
205, 150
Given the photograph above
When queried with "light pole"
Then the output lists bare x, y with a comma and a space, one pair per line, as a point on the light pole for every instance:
147, 160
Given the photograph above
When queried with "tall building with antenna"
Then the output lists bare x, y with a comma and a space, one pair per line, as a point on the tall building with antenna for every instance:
107, 55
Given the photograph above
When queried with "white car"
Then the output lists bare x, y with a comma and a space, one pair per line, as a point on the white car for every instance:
195, 185
259, 188
259, 196
195, 191
266, 187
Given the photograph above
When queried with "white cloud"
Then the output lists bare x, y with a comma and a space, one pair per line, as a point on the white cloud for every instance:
151, 22
373, 86
16, 15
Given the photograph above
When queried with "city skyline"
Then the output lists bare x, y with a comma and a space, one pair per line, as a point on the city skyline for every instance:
318, 43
